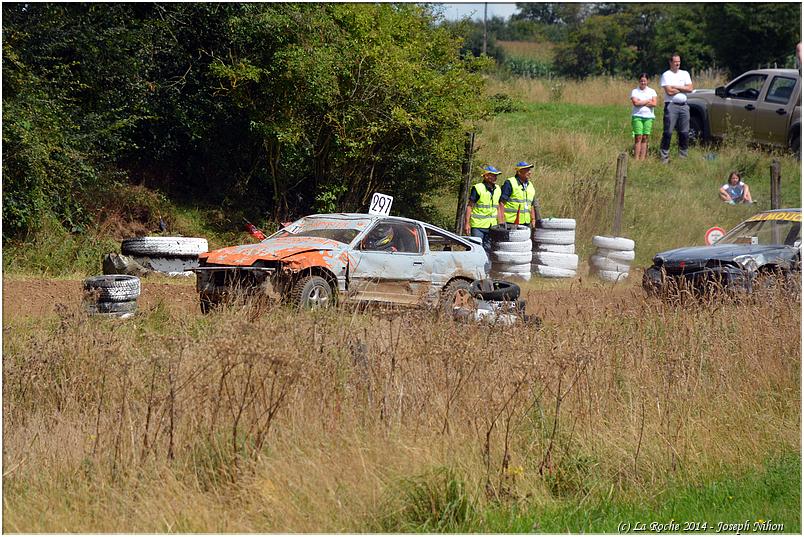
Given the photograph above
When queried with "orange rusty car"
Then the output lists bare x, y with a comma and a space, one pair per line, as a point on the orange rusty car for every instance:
321, 259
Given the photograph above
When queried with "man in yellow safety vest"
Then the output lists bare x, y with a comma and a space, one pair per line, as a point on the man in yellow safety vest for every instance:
518, 201
483, 209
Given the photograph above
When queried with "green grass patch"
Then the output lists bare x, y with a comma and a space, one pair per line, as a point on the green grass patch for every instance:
769, 495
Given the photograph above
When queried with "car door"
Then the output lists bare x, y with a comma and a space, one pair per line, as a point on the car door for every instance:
775, 109
391, 271
737, 110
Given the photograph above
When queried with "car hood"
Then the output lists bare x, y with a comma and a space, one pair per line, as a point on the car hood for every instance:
764, 254
278, 249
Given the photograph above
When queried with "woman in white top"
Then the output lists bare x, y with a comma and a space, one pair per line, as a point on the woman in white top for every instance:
643, 99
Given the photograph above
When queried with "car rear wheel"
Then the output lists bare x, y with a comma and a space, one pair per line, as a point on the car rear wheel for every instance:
312, 292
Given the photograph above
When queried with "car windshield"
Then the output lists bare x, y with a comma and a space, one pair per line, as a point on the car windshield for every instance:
767, 229
338, 229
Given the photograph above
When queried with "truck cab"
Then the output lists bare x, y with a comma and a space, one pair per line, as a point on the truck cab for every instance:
763, 105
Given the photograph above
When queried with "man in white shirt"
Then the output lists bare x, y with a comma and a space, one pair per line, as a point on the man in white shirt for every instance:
676, 83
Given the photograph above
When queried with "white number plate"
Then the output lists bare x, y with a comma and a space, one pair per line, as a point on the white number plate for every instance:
380, 204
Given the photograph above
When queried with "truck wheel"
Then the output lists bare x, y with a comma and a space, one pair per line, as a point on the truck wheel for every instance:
312, 292
795, 145
696, 131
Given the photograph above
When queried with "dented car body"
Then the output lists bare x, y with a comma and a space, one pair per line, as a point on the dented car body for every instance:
766, 244
320, 259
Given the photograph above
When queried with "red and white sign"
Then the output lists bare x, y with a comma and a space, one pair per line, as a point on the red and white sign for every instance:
713, 234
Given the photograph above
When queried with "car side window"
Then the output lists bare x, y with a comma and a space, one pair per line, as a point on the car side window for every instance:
438, 242
391, 236
781, 89
747, 88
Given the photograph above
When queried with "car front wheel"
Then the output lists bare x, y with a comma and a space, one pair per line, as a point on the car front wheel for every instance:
312, 292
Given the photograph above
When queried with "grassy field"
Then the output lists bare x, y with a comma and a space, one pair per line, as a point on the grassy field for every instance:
271, 421
574, 145
621, 409
541, 51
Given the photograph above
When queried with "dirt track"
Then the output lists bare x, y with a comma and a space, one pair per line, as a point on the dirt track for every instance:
32, 297
39, 297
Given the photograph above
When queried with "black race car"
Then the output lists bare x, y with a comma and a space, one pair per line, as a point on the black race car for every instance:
768, 243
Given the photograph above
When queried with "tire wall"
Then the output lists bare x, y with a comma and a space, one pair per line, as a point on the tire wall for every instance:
511, 252
611, 261
554, 249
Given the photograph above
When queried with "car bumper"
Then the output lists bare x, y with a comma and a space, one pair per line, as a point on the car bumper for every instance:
658, 280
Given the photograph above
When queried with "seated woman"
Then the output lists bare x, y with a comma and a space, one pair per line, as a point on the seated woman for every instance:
735, 191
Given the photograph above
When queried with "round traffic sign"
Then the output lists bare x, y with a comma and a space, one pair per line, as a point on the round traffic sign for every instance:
713, 234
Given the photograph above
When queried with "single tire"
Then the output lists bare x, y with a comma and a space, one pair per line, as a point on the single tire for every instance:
512, 267
613, 243
552, 259
451, 291
94, 308
312, 292
509, 233
616, 255
555, 248
521, 246
164, 246
606, 263
495, 290
511, 257
525, 276
611, 275
552, 272
558, 223
112, 288
553, 236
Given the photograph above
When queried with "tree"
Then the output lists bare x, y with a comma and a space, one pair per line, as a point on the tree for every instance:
746, 35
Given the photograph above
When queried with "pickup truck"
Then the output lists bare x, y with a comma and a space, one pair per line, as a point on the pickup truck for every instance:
764, 103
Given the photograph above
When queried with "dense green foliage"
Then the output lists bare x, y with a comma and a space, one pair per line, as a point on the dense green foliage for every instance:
626, 39
280, 108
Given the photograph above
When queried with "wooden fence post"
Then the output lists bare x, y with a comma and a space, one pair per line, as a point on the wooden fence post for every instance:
466, 183
619, 193
776, 184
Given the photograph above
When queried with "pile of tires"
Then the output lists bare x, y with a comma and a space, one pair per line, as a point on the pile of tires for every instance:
496, 302
511, 253
554, 249
112, 295
175, 256
612, 259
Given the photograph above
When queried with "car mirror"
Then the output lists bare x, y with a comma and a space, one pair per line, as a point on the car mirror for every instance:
720, 91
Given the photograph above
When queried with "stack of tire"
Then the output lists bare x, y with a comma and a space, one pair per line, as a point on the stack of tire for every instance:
554, 248
612, 259
170, 255
510, 251
112, 295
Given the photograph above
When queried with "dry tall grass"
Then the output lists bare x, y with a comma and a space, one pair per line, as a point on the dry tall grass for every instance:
597, 90
310, 422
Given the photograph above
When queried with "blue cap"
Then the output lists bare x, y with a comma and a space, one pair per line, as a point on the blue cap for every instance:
522, 165
491, 169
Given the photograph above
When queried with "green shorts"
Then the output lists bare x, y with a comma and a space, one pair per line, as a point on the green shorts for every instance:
641, 125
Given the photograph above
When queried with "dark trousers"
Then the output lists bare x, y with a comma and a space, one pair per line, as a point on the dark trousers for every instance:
676, 117
484, 234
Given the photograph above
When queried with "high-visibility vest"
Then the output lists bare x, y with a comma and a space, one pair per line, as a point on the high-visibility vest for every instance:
521, 200
484, 212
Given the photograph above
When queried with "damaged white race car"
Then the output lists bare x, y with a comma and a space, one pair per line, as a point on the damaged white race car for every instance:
324, 258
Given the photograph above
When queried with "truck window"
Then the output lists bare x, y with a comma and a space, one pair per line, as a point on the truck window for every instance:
747, 88
781, 89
